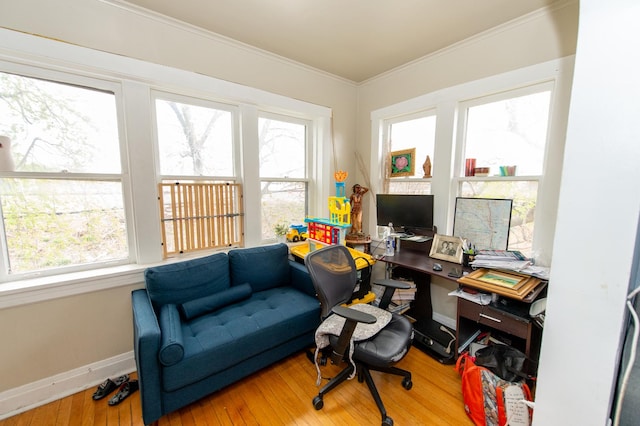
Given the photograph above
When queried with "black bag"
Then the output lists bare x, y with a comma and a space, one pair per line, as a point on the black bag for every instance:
505, 361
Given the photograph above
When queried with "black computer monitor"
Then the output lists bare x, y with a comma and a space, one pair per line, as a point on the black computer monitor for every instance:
409, 213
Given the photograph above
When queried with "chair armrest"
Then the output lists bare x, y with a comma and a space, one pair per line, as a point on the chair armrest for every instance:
352, 318
393, 284
146, 344
353, 315
301, 279
390, 287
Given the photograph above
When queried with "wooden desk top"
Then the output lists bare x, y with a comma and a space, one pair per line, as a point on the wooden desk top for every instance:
421, 262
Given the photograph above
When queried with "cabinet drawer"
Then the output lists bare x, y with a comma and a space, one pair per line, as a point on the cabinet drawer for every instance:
495, 318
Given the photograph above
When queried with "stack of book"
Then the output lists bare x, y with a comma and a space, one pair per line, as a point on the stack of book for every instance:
401, 300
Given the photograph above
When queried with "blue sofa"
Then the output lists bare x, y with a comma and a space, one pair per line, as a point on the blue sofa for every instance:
202, 324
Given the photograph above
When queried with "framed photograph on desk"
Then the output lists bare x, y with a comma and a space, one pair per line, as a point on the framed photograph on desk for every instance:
446, 248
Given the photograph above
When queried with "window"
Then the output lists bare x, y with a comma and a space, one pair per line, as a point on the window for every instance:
62, 200
91, 155
417, 131
283, 171
196, 143
507, 134
194, 140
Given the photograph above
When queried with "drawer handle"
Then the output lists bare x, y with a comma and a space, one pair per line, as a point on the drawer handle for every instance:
490, 318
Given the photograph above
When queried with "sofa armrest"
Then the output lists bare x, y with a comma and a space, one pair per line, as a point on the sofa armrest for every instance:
300, 278
146, 344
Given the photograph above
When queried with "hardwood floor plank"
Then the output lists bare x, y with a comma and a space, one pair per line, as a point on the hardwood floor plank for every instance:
77, 406
64, 412
282, 394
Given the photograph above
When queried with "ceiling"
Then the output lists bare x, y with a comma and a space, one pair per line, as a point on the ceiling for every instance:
353, 39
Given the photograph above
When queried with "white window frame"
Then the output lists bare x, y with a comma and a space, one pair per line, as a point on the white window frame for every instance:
386, 137
202, 102
137, 79
308, 167
459, 177
447, 152
122, 177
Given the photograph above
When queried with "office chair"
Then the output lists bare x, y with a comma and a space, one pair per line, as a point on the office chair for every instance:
334, 275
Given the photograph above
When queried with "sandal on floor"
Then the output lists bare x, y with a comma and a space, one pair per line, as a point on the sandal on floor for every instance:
109, 386
125, 390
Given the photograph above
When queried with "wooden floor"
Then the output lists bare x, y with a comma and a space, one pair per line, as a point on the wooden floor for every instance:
282, 395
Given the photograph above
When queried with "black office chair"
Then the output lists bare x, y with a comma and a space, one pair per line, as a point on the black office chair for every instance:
334, 276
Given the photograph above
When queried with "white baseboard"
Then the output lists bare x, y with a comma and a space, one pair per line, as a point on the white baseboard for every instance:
449, 322
35, 394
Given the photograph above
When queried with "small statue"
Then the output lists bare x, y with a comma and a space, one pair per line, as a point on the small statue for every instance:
427, 167
356, 209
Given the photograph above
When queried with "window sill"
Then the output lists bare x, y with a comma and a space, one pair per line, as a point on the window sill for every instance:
28, 291
23, 292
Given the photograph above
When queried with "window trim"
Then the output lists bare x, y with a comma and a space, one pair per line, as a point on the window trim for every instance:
200, 102
309, 149
386, 137
465, 105
446, 102
88, 83
135, 80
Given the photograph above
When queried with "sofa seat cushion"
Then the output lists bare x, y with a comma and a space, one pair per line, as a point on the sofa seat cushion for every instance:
228, 336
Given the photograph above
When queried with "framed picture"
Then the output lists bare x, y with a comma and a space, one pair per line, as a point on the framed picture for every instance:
506, 283
447, 248
402, 162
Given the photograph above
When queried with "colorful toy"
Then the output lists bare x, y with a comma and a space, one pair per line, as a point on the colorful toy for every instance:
322, 231
297, 233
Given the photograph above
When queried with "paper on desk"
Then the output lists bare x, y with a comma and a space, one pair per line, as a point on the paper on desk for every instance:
521, 266
479, 298
513, 265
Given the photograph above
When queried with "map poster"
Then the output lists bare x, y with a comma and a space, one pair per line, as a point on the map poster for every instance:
483, 222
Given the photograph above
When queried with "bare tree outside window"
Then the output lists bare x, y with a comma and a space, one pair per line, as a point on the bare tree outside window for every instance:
194, 140
283, 150
68, 210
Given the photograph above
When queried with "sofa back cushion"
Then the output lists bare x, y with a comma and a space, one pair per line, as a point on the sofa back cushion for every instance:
262, 267
183, 281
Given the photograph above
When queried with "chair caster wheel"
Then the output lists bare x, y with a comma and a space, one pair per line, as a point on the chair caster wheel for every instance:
388, 421
318, 403
407, 384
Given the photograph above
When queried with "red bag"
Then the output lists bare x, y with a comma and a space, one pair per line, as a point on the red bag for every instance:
489, 400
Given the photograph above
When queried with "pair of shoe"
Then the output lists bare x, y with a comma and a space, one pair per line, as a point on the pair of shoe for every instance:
125, 388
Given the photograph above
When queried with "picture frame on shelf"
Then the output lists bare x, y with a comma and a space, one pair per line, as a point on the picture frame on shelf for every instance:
402, 163
447, 248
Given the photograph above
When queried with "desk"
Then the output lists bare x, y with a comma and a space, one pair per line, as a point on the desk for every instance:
505, 317
413, 259
473, 317
418, 260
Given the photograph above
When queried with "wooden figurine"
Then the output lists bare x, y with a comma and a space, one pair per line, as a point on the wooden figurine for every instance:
427, 167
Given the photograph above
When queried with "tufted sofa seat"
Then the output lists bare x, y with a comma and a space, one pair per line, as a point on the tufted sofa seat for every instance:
203, 324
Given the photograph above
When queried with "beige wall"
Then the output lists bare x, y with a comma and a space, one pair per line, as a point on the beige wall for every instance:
51, 337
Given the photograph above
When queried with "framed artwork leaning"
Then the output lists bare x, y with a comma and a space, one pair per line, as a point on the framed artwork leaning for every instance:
403, 163
448, 248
